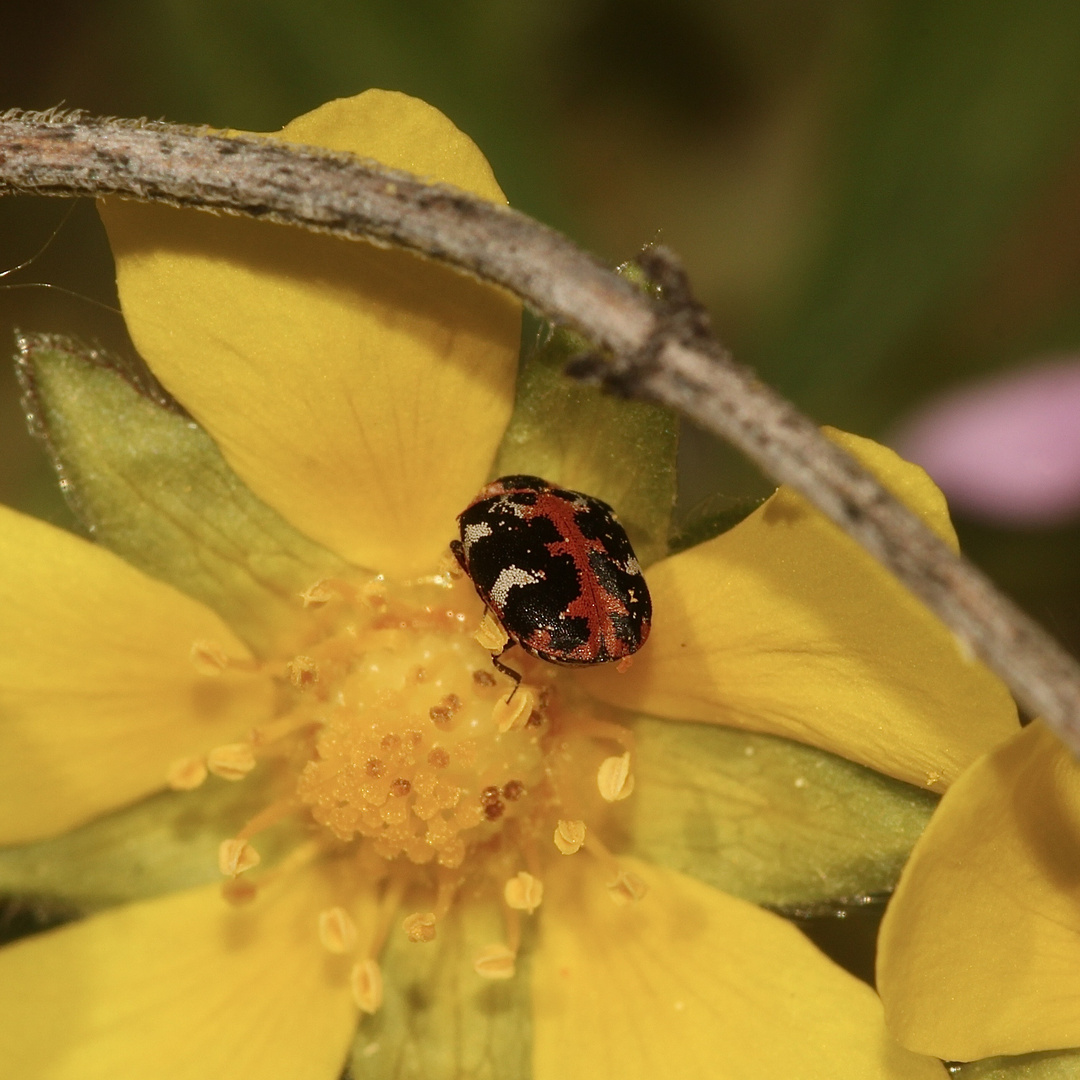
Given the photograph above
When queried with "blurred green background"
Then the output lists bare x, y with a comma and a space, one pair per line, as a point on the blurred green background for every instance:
877, 199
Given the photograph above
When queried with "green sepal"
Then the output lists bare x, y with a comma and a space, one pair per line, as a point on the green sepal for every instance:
764, 818
1046, 1065
440, 1020
159, 845
150, 484
623, 452
714, 516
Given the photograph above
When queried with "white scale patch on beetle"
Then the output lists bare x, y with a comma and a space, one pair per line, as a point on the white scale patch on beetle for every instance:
512, 506
472, 533
507, 579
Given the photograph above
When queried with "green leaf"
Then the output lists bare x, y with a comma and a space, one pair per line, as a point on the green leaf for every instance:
151, 485
586, 440
770, 820
439, 1019
1049, 1065
159, 845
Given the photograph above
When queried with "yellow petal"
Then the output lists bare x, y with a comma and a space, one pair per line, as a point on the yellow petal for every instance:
690, 982
98, 692
181, 988
784, 625
980, 946
360, 391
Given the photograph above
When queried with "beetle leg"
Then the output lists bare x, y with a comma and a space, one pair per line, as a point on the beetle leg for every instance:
509, 671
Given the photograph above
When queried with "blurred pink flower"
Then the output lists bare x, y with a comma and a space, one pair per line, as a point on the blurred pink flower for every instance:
1005, 449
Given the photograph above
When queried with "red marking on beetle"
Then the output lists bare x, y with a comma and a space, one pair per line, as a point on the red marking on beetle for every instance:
593, 603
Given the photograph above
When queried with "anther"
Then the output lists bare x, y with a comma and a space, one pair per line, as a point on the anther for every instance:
569, 836
483, 678
489, 796
494, 962
614, 778
494, 811
186, 774
513, 790
337, 931
303, 672
514, 714
208, 657
236, 856
321, 592
366, 983
523, 892
491, 635
232, 761
419, 926
627, 888
400, 787
438, 758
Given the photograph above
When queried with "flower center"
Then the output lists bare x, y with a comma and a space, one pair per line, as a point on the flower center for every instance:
408, 755
404, 744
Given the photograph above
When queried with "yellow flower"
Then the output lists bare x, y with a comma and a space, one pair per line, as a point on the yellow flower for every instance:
981, 943
362, 395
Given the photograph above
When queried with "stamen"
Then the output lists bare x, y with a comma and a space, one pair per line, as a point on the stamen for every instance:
627, 888
272, 731
186, 774
303, 672
323, 591
209, 657
570, 836
495, 962
388, 905
235, 856
317, 594
491, 635
419, 926
232, 761
237, 891
614, 778
524, 892
449, 884
337, 931
269, 815
366, 983
395, 762
513, 715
